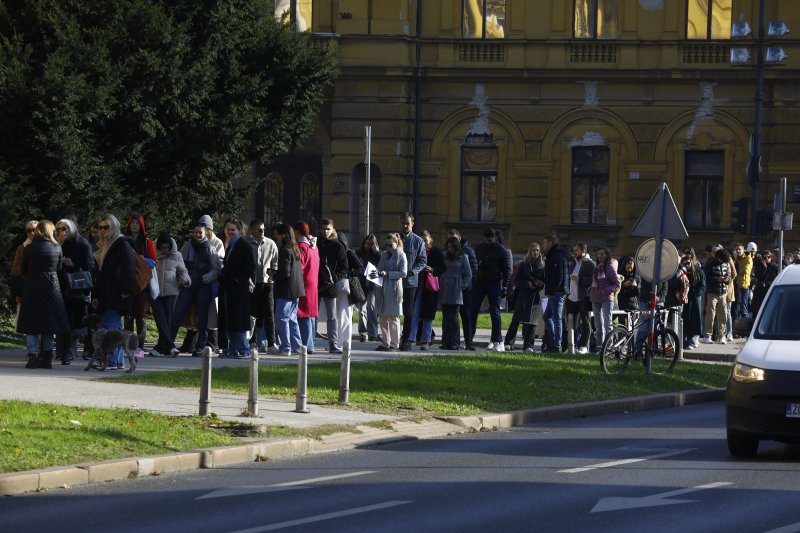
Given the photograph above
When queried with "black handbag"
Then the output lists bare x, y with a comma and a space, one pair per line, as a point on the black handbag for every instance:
357, 296
80, 281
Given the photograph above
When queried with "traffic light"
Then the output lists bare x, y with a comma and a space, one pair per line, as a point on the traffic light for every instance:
739, 224
763, 221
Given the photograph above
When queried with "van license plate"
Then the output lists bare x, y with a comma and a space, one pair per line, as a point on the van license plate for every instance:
792, 410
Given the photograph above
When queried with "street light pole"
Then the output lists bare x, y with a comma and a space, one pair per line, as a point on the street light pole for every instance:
755, 152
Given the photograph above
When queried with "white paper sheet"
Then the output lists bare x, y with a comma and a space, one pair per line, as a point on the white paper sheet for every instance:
377, 280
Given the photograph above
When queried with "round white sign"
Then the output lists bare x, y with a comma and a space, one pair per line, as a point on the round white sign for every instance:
646, 260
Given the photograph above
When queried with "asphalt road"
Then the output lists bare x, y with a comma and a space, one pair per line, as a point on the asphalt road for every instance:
666, 470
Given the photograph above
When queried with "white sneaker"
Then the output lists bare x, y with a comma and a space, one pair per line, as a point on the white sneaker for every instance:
508, 347
723, 340
582, 350
530, 350
499, 347
729, 336
155, 353
706, 340
490, 347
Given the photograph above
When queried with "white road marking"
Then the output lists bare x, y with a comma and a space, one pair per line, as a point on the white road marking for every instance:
326, 516
620, 504
621, 462
289, 485
791, 528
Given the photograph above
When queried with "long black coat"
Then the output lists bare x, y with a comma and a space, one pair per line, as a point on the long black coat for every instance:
430, 299
333, 254
238, 272
109, 288
79, 251
42, 309
527, 284
289, 276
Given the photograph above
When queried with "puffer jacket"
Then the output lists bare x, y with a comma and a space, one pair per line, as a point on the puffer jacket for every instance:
171, 271
718, 276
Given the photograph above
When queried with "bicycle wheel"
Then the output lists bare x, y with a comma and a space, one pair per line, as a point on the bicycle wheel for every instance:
664, 354
616, 351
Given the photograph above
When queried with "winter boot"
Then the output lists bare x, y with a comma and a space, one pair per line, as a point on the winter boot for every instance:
46, 360
31, 361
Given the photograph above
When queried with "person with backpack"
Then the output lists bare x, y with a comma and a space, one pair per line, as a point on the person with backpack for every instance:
115, 260
144, 247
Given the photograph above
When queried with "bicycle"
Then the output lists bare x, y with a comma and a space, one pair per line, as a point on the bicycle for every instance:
659, 352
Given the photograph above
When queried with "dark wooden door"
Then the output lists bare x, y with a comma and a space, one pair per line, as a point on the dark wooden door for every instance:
291, 190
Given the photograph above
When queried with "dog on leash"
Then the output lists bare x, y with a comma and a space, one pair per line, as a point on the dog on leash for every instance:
106, 340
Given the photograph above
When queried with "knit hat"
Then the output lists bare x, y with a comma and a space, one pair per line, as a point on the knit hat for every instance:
164, 238
206, 222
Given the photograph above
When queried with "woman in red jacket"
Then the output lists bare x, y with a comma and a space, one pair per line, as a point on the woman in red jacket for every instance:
308, 306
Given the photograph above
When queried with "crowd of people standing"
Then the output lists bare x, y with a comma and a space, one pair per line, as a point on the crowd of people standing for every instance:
265, 289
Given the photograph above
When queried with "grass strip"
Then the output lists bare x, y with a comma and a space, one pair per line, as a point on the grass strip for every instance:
455, 385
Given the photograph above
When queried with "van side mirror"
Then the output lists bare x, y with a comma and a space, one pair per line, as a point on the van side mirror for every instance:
743, 326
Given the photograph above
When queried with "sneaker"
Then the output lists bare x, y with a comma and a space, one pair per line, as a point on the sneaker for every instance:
723, 340
706, 340
390, 349
405, 347
363, 337
530, 350
242, 356
287, 352
508, 347
174, 352
423, 346
491, 346
690, 347
380, 348
729, 337
498, 346
273, 350
583, 350
155, 353
470, 347
120, 367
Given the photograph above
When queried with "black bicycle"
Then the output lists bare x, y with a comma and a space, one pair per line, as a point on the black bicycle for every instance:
658, 353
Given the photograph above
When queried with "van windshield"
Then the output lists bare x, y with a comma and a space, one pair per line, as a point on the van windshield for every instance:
780, 317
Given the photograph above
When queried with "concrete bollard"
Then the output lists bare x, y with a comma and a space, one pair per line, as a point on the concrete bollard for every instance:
571, 333
302, 382
344, 376
205, 381
252, 395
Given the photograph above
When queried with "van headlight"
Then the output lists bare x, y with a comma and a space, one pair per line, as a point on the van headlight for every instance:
743, 373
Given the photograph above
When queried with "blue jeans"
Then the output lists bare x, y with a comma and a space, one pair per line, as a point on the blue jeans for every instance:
367, 318
112, 319
200, 295
32, 342
602, 321
237, 343
729, 319
744, 304
308, 326
552, 320
286, 327
490, 290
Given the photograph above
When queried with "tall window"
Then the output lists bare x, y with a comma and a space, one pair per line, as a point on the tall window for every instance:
596, 19
704, 180
484, 19
273, 197
590, 168
297, 12
478, 179
708, 19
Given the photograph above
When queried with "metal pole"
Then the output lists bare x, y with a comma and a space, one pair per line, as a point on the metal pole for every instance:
344, 376
417, 112
302, 382
782, 209
759, 99
205, 381
252, 396
368, 164
657, 260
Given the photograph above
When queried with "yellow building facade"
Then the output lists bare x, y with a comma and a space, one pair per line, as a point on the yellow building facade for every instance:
542, 116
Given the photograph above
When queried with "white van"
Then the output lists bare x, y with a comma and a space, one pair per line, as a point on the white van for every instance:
763, 395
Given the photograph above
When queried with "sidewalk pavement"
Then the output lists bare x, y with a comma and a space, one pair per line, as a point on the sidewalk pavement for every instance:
71, 385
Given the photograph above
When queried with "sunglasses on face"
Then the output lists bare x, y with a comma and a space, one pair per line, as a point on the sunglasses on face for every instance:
104, 227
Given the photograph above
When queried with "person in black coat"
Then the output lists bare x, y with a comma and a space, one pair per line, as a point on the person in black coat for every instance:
115, 263
427, 300
465, 310
490, 281
288, 289
333, 267
238, 281
367, 317
556, 275
77, 257
42, 312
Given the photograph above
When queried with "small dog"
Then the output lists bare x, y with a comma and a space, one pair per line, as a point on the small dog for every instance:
106, 340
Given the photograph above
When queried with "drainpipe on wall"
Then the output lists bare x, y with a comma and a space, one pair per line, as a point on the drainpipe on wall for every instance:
417, 111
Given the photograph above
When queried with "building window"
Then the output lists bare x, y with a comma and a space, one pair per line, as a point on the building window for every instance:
484, 19
296, 12
704, 180
708, 19
479, 179
273, 197
590, 169
596, 19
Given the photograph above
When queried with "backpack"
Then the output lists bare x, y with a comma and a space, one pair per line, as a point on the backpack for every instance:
142, 274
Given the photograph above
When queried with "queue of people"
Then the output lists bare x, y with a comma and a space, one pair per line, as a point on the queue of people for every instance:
264, 290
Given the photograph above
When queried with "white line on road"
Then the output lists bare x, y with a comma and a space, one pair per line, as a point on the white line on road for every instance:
290, 485
326, 516
624, 461
655, 500
791, 528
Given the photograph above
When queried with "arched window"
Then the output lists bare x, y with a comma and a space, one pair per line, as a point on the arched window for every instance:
310, 198
479, 161
273, 197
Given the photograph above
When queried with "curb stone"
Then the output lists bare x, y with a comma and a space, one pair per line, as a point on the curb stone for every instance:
114, 470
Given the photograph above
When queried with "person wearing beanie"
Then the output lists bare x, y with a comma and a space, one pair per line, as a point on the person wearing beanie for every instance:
172, 274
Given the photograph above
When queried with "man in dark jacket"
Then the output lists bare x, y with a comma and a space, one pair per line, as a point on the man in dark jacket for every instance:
490, 281
333, 267
414, 249
555, 281
581, 268
466, 308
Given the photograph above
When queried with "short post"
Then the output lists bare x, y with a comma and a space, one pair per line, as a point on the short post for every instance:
252, 395
302, 382
344, 376
205, 381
